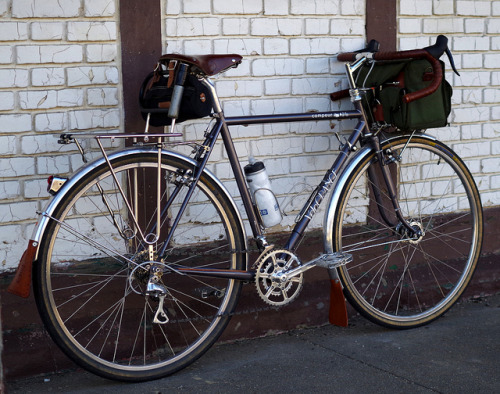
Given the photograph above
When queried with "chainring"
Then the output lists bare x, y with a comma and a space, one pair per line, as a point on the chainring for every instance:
273, 283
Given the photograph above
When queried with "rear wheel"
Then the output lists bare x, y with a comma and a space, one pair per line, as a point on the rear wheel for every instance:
93, 268
396, 279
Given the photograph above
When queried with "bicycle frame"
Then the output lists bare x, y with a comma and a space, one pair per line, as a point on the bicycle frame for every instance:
221, 128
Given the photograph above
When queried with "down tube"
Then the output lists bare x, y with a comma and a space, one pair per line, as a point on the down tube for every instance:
319, 194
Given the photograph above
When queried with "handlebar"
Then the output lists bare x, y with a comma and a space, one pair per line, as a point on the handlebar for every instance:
431, 53
416, 54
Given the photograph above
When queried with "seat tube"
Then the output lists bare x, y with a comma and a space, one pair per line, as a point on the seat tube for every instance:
240, 179
234, 161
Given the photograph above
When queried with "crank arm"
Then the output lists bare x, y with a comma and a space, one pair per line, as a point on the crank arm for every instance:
328, 261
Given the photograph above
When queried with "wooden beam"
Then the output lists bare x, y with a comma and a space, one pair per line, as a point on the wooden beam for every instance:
381, 23
140, 31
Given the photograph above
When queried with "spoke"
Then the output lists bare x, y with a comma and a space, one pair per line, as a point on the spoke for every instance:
200, 281
437, 263
407, 272
182, 306
415, 291
83, 284
110, 252
429, 264
446, 223
371, 246
375, 237
381, 270
116, 308
398, 284
104, 283
119, 307
85, 291
364, 262
190, 297
142, 322
439, 235
126, 292
113, 306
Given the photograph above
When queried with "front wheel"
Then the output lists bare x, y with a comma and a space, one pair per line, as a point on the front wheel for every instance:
93, 269
398, 279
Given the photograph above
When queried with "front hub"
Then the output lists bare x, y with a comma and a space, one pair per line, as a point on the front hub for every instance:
414, 237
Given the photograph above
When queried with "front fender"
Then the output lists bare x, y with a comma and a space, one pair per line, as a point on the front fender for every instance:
335, 197
340, 185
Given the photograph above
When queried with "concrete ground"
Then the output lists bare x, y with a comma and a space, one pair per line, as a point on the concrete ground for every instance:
458, 353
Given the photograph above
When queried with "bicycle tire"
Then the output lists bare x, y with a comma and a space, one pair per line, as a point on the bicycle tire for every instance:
91, 273
394, 280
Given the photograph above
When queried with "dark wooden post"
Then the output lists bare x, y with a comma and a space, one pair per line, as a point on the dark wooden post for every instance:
381, 23
140, 30
141, 43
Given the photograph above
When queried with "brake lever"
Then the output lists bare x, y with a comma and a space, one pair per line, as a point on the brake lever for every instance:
450, 58
372, 47
437, 50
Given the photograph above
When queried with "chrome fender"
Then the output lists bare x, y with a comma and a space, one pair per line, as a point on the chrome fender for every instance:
335, 197
340, 184
41, 226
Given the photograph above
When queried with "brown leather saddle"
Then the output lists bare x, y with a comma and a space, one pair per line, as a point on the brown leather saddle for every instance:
207, 64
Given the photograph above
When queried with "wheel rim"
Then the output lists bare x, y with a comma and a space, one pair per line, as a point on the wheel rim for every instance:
394, 279
100, 312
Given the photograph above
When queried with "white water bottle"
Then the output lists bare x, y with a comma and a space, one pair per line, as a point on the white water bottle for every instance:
263, 196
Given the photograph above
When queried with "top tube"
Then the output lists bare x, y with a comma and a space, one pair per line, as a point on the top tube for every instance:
300, 117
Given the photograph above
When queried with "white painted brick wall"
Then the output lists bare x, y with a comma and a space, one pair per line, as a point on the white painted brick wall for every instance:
45, 9
59, 72
473, 28
47, 31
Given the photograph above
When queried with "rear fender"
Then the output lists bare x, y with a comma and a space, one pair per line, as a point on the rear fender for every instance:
21, 283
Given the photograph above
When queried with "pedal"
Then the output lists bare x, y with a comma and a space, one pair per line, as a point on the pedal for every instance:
332, 260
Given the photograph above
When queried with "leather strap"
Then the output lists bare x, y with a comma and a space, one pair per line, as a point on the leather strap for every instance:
171, 71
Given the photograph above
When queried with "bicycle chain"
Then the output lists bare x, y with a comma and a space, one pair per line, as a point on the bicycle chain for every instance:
227, 314
262, 257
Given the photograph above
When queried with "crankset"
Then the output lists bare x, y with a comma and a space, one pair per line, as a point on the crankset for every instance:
277, 282
280, 274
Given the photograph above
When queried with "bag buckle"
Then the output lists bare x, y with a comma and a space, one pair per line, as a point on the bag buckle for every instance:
172, 64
